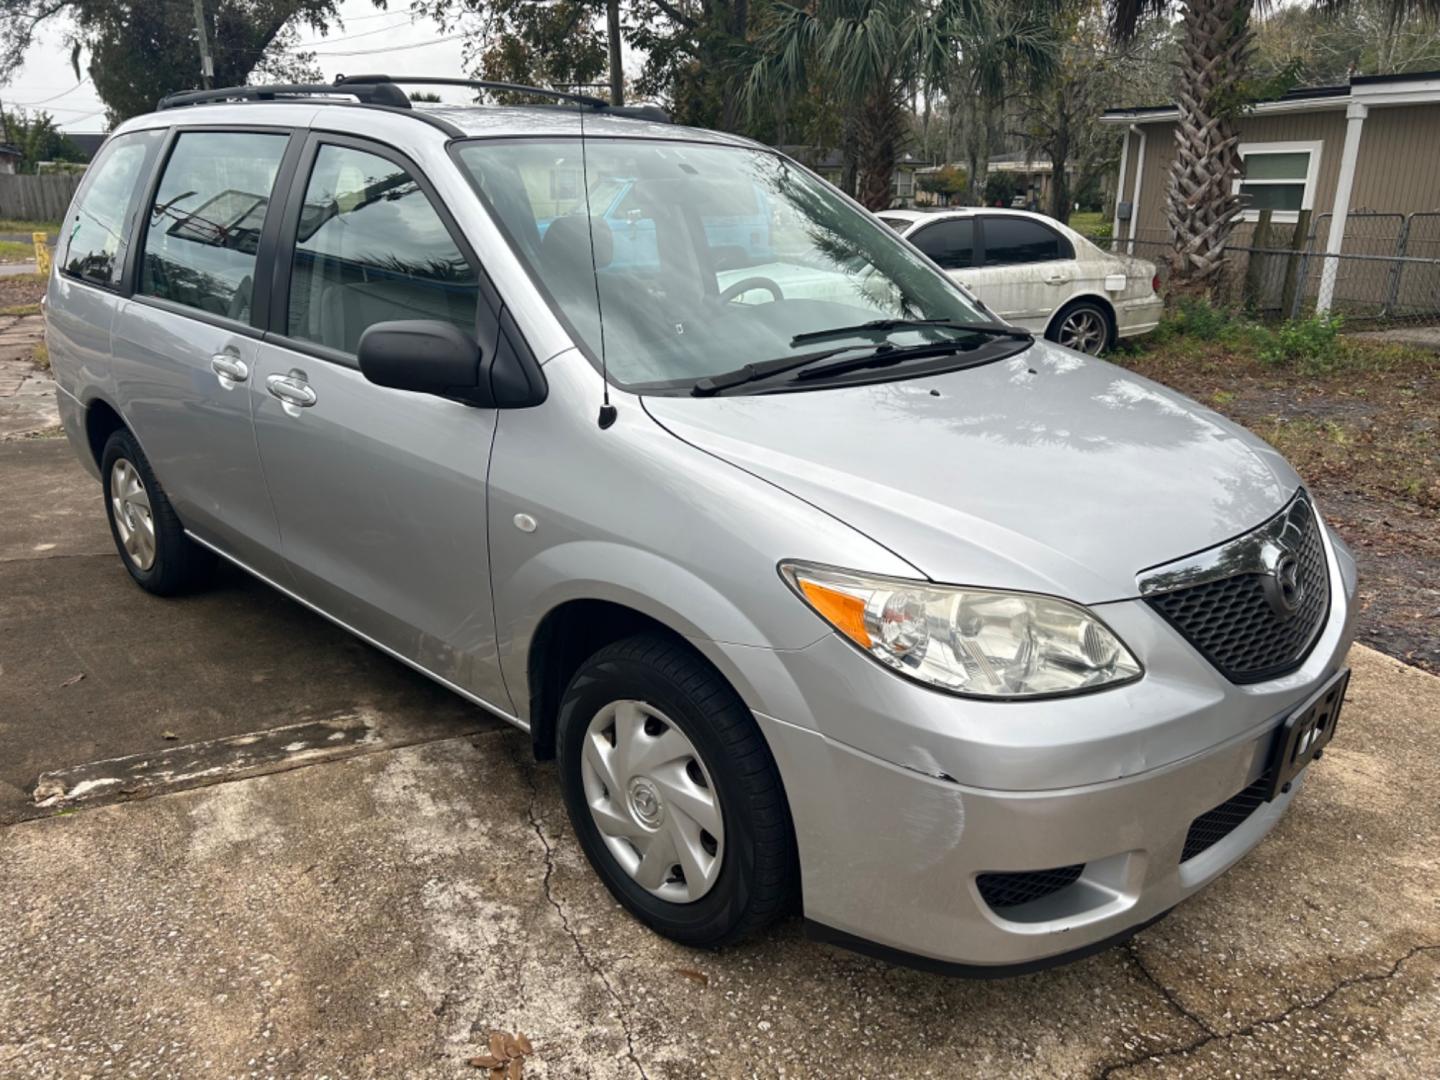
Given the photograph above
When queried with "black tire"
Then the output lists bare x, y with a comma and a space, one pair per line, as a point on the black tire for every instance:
1096, 311
179, 565
759, 873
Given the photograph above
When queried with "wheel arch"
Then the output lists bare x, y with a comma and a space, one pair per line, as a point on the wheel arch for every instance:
102, 420
1098, 300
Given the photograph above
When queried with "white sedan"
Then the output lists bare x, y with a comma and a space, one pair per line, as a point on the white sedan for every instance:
1037, 273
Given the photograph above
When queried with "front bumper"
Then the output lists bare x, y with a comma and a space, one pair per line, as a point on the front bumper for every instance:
892, 858
903, 797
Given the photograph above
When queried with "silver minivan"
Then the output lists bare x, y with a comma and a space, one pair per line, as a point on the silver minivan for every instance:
829, 592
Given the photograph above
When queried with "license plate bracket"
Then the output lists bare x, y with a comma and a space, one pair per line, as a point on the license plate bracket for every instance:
1305, 732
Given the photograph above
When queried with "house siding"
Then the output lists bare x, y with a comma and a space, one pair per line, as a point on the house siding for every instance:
1393, 173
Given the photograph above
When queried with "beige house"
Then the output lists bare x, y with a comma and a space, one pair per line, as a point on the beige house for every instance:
1363, 158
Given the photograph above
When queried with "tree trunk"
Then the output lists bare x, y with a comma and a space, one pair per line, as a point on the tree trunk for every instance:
1200, 208
617, 68
1059, 160
879, 146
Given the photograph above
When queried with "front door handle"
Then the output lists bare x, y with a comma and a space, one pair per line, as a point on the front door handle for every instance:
291, 391
230, 367
1057, 279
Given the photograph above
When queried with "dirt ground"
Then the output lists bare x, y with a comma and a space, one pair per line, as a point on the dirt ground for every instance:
1364, 432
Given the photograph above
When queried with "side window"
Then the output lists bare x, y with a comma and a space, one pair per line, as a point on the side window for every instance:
950, 243
205, 222
99, 229
1010, 240
370, 248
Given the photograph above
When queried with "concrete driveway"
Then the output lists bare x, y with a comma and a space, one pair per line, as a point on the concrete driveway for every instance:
379, 906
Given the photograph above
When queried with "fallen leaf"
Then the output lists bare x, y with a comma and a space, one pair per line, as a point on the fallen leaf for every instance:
169, 735
517, 1068
484, 1061
512, 1047
497, 1045
523, 1042
497, 1073
73, 679
693, 975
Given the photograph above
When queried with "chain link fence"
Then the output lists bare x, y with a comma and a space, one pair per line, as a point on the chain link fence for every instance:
1388, 271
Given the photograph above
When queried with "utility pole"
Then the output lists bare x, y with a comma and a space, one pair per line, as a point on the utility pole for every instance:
617, 70
207, 66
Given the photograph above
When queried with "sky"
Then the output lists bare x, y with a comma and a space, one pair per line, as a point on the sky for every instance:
393, 41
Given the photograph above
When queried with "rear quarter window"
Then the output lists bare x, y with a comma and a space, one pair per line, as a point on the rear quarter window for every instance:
98, 228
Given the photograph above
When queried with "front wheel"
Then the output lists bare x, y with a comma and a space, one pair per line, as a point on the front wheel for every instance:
1084, 326
673, 793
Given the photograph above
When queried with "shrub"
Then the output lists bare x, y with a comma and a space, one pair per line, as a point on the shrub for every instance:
1311, 345
1196, 318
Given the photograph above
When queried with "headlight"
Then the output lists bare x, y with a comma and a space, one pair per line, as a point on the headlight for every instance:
969, 641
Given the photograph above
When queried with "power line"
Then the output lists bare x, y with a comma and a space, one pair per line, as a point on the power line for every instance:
54, 97
348, 37
394, 48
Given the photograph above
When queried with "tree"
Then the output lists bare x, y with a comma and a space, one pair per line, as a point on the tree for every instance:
1212, 92
139, 52
38, 139
1061, 118
871, 54
533, 42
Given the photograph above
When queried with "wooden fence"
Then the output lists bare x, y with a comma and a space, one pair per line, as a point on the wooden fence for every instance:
37, 198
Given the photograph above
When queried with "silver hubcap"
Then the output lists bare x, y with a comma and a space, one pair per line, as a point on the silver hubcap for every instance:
134, 521
1083, 331
653, 801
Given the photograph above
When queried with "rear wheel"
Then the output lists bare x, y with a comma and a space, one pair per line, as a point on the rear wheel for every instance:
1084, 326
149, 537
673, 793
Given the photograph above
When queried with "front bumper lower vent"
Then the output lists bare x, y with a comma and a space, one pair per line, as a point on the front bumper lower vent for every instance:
1007, 890
1211, 827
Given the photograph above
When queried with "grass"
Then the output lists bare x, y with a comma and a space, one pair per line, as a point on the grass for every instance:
14, 251
1090, 223
13, 225
41, 356
21, 309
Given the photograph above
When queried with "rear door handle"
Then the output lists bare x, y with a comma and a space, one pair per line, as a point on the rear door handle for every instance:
291, 391
229, 366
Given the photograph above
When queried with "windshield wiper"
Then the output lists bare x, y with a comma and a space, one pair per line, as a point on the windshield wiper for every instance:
886, 355
884, 326
714, 384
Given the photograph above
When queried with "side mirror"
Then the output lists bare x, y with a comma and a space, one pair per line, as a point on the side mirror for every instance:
428, 356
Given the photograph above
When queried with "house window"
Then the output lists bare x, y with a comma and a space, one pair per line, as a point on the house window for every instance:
904, 183
1279, 177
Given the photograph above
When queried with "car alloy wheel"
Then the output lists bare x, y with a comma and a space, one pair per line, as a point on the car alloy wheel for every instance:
134, 519
1084, 330
652, 799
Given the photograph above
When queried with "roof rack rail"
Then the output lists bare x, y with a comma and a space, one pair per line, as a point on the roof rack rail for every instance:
374, 93
636, 112
474, 84
383, 90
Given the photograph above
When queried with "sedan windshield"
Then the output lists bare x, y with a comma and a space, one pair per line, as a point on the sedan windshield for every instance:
683, 261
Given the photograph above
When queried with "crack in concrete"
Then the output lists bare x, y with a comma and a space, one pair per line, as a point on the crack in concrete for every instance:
527, 770
1165, 991
1264, 1021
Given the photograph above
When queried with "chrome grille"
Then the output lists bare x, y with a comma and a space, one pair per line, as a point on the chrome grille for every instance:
1254, 606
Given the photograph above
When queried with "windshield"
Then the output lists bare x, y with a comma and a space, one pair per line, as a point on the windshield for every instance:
705, 257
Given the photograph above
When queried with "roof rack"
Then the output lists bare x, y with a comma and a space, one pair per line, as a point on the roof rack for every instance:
382, 90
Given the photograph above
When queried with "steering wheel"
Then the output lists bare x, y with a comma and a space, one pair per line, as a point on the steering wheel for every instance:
744, 285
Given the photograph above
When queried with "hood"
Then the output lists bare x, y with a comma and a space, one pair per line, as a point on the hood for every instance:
1049, 471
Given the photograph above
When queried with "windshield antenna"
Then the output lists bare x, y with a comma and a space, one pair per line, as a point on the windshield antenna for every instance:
607, 411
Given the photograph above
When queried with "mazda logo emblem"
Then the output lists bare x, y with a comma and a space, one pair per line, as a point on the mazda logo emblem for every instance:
1283, 587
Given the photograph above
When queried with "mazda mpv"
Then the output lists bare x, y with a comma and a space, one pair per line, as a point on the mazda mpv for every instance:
829, 591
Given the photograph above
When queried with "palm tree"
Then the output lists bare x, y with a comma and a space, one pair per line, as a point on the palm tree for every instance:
870, 55
1215, 46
